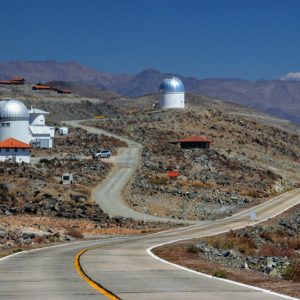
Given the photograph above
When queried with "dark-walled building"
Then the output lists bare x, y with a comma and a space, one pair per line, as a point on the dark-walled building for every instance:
192, 142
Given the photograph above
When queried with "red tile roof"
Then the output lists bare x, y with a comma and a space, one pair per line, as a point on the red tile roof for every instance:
13, 143
173, 173
194, 139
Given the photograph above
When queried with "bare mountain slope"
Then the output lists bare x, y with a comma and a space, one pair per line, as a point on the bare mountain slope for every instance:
35, 71
277, 97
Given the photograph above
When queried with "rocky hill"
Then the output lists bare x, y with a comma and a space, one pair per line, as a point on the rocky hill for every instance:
252, 157
277, 97
63, 107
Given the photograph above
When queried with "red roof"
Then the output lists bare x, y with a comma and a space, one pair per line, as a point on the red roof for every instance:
13, 143
194, 139
18, 79
173, 173
5, 82
42, 87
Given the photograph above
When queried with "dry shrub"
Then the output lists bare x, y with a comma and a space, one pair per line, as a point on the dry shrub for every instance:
160, 179
250, 193
21, 203
276, 237
292, 272
192, 248
39, 239
268, 235
220, 274
73, 232
294, 243
244, 245
197, 183
275, 250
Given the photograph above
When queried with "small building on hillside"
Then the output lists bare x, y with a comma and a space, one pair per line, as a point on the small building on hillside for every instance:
63, 130
41, 136
12, 150
200, 142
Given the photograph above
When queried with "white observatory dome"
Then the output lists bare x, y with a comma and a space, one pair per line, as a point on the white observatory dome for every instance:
172, 93
13, 109
14, 120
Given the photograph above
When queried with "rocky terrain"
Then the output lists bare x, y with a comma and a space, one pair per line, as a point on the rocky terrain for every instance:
249, 161
267, 255
36, 208
62, 107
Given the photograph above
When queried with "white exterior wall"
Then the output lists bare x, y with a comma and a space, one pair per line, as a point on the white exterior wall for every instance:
37, 119
38, 133
18, 130
19, 156
63, 130
172, 100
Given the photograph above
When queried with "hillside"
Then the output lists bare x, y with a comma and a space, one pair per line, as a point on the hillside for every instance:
50, 70
253, 157
277, 97
62, 107
85, 90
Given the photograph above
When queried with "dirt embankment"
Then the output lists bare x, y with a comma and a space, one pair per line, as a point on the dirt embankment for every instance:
266, 255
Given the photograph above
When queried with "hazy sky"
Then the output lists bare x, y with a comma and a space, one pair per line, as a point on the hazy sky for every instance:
250, 39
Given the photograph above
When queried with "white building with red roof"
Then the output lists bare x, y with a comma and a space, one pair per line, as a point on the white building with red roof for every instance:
12, 150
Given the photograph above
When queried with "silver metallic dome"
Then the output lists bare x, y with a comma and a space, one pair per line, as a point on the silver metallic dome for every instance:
171, 84
2, 103
13, 110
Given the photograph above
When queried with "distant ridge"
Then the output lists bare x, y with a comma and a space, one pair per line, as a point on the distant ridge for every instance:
50, 70
277, 97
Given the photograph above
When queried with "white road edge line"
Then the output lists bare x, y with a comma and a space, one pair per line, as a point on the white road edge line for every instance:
149, 251
38, 249
56, 246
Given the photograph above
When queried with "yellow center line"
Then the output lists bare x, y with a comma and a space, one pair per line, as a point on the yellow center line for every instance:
92, 283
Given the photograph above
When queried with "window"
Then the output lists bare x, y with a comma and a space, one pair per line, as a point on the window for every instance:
7, 149
16, 149
2, 124
7, 124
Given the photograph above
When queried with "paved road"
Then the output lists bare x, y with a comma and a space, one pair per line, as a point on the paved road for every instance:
124, 266
108, 194
46, 274
129, 271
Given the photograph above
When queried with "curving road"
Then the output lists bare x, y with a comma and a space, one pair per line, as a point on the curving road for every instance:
123, 265
109, 193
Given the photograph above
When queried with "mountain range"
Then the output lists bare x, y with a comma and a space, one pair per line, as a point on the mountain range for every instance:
277, 97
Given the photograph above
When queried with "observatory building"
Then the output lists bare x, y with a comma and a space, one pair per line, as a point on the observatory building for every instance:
14, 121
171, 93
41, 136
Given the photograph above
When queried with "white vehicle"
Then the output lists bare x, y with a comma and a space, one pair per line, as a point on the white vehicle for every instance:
102, 154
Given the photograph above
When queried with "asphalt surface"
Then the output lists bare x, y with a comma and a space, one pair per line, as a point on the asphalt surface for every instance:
109, 193
131, 273
46, 274
123, 265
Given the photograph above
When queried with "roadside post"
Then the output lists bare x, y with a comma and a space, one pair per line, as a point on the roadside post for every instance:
253, 216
